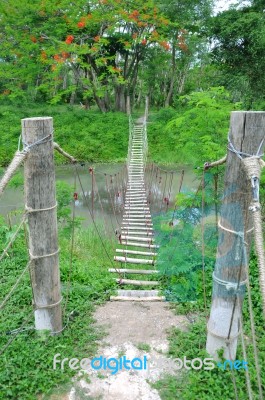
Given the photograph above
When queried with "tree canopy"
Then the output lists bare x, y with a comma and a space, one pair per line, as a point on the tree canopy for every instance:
93, 50
111, 52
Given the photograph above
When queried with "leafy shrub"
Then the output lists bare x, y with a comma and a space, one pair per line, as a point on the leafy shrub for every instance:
87, 135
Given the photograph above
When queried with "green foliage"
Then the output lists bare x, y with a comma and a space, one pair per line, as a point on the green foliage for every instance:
216, 383
87, 135
83, 51
17, 180
27, 364
200, 132
195, 132
64, 194
179, 259
239, 38
158, 141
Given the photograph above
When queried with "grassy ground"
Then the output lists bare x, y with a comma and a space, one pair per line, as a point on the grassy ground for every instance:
216, 383
88, 135
27, 364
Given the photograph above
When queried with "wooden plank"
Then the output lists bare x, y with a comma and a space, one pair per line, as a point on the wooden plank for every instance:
137, 244
139, 214
131, 202
141, 228
134, 208
125, 231
130, 197
131, 298
138, 292
134, 260
140, 196
141, 222
145, 217
139, 217
140, 239
136, 196
136, 185
134, 191
137, 252
136, 204
136, 221
133, 271
136, 200
136, 282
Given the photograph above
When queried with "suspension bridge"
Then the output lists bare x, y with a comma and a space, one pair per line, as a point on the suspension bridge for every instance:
136, 238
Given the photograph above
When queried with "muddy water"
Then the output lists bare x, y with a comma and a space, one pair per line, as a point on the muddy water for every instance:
109, 179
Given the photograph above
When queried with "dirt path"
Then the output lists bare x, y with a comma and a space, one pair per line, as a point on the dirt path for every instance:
135, 329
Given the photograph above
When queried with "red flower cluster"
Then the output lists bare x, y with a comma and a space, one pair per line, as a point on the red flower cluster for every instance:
181, 40
69, 39
61, 57
65, 55
183, 46
97, 38
33, 39
144, 41
165, 45
81, 24
43, 55
134, 15
58, 58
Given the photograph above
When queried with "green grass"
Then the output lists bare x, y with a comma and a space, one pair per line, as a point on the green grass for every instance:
27, 364
86, 134
213, 384
144, 346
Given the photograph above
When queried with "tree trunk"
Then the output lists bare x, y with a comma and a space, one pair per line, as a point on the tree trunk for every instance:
128, 105
120, 98
168, 101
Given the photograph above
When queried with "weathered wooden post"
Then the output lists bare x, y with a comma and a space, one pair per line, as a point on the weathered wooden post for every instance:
235, 232
40, 199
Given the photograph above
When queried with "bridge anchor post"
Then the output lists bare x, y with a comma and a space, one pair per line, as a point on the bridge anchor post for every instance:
40, 198
235, 231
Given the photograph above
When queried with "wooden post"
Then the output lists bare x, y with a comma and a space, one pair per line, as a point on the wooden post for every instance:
216, 199
246, 135
40, 198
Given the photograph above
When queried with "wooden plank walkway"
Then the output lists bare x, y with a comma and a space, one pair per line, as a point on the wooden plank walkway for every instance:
137, 230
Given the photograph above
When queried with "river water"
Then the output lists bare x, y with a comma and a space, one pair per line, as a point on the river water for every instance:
108, 184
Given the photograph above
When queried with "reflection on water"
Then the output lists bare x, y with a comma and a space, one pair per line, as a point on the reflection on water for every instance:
106, 199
